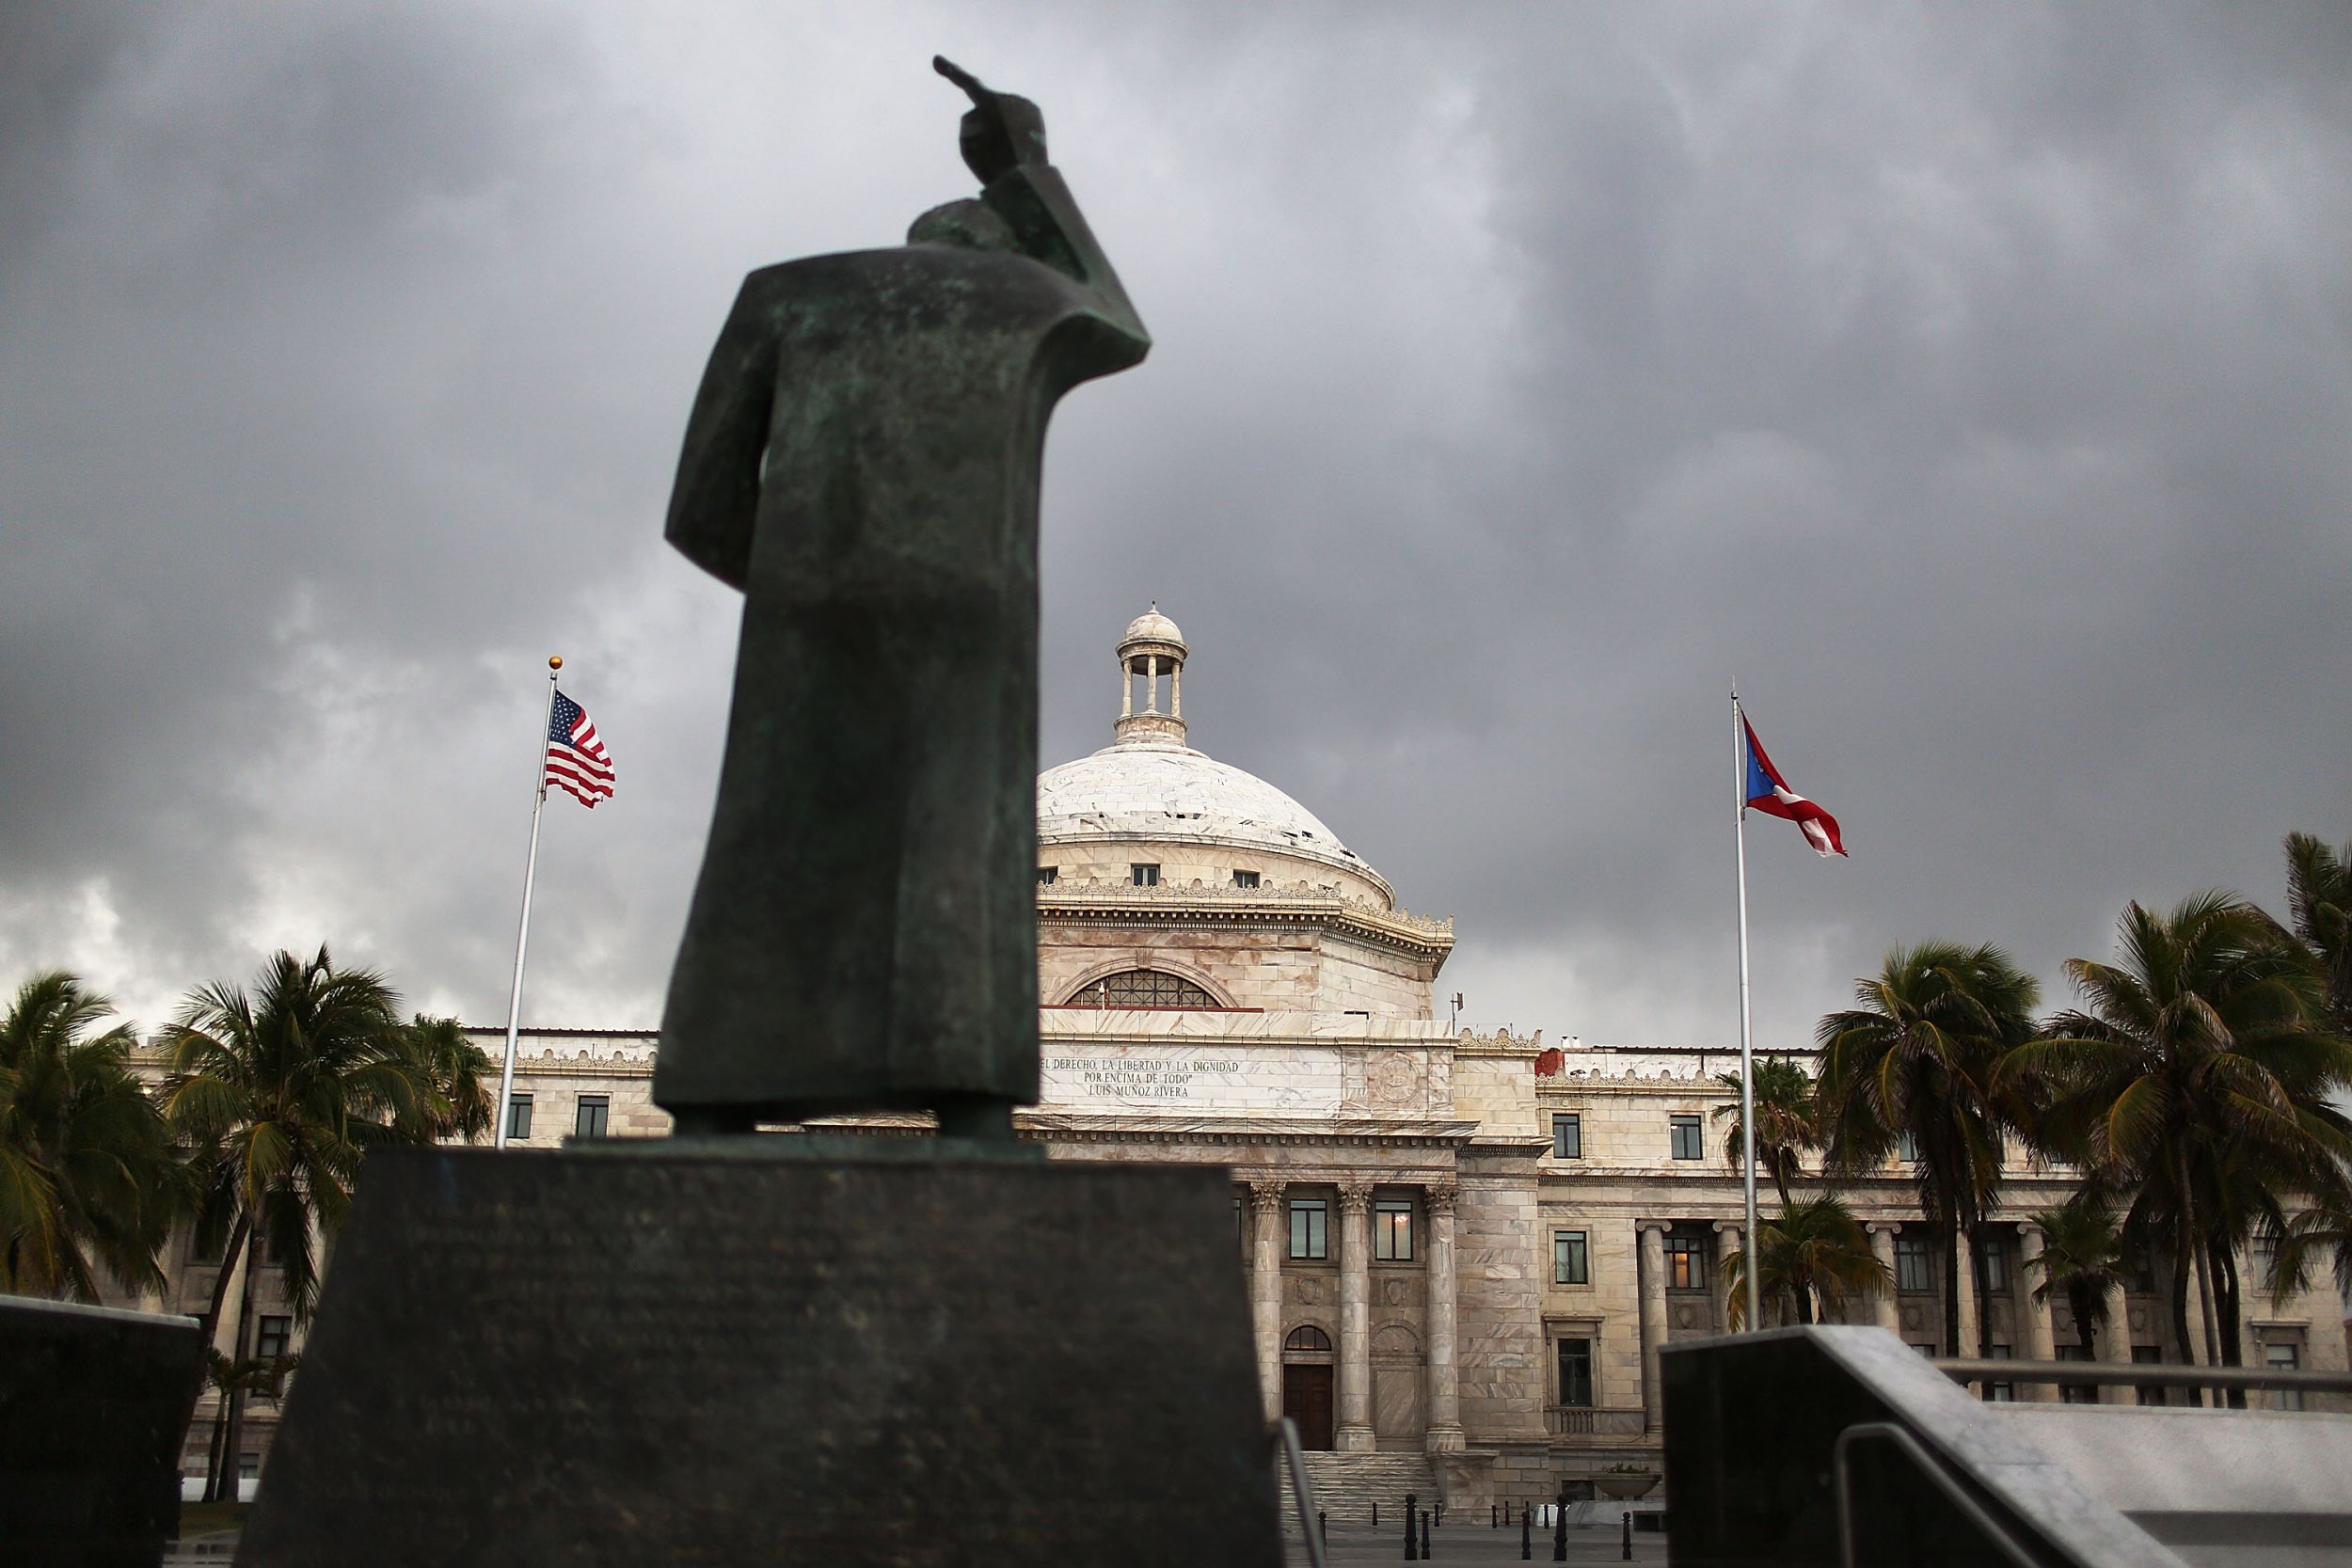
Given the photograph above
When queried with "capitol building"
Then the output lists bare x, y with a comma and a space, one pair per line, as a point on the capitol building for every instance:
1463, 1251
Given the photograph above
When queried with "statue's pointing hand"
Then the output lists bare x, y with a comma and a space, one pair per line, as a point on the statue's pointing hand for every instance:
1002, 130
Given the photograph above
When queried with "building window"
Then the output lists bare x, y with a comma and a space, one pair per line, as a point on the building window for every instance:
1568, 1136
1310, 1228
1906, 1147
1690, 1139
518, 1117
2149, 1355
1392, 1230
1570, 1261
1914, 1261
595, 1113
1686, 1264
1144, 875
1999, 1393
2075, 1393
274, 1337
2283, 1356
2144, 1269
1307, 1340
1046, 874
1576, 1373
1245, 879
1143, 988
1992, 1264
249, 1467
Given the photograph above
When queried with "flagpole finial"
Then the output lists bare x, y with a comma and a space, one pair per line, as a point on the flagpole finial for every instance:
555, 661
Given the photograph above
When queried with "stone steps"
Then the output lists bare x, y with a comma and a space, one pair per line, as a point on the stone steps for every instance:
1346, 1485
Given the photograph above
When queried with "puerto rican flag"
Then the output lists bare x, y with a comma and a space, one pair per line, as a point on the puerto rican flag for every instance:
1766, 791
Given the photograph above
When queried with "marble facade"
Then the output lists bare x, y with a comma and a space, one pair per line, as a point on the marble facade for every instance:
1400, 1196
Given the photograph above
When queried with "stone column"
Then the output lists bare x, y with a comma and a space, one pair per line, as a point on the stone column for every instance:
2115, 1344
1888, 1312
2034, 1341
1175, 691
1726, 1243
1446, 1389
1964, 1281
1652, 1247
1266, 1286
1355, 1414
1126, 688
1150, 683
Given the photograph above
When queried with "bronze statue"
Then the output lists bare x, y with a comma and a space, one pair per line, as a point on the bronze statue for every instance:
861, 461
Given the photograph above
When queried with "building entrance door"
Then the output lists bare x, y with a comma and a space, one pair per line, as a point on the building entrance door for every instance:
1307, 1399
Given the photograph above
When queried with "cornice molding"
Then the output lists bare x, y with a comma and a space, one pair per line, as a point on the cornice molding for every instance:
1098, 903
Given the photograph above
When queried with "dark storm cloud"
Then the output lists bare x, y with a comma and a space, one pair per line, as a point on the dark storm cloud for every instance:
1970, 386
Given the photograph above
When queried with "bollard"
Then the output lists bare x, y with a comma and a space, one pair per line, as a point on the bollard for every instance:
1323, 1525
1559, 1526
1527, 1532
1375, 1516
1424, 1535
1629, 1535
1412, 1504
1494, 1516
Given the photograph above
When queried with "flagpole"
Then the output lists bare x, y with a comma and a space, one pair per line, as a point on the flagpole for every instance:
1747, 1052
522, 934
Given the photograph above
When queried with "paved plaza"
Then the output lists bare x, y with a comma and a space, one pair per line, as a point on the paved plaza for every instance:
1360, 1546
1350, 1546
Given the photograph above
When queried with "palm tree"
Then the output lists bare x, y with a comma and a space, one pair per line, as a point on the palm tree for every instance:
2319, 899
227, 1378
1786, 1122
1915, 1056
2082, 1259
1811, 1260
2195, 1079
88, 1177
451, 1074
283, 1091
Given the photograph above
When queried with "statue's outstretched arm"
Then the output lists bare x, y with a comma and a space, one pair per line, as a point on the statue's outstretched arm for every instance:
715, 502
1004, 143
1034, 200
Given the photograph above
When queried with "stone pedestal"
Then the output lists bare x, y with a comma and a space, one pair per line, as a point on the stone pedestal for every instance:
766, 1349
94, 1405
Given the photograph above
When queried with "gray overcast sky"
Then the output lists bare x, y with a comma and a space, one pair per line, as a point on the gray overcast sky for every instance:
1972, 383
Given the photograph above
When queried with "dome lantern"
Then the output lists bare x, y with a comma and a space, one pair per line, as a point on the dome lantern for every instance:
1153, 647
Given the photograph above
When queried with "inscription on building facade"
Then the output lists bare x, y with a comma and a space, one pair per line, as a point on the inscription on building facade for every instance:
1192, 1079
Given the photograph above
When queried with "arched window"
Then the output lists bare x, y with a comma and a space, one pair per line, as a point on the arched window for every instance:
1308, 1338
1142, 988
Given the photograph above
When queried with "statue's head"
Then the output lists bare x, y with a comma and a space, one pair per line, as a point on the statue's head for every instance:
1012, 130
966, 224
1001, 131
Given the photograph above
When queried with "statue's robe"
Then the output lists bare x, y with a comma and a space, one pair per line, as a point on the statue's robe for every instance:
863, 461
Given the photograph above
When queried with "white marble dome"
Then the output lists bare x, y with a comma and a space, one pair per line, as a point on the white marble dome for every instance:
1162, 792
1153, 626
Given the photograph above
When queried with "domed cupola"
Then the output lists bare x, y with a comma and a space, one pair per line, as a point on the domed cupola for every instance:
1152, 648
1149, 788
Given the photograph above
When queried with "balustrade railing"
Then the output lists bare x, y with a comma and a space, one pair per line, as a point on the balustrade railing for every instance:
1577, 1420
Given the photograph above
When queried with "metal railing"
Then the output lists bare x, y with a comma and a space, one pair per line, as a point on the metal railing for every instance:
1842, 1464
1284, 1437
2150, 1374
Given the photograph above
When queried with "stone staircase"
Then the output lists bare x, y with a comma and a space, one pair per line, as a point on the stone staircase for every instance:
1347, 1484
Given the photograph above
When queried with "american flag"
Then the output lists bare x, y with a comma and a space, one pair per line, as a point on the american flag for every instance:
576, 760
